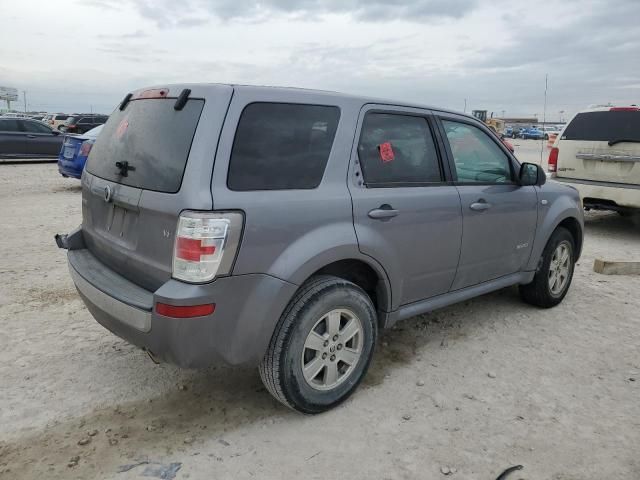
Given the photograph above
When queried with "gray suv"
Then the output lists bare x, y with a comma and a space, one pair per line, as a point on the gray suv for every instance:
284, 228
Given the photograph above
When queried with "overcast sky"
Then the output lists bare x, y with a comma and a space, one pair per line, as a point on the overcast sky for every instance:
77, 55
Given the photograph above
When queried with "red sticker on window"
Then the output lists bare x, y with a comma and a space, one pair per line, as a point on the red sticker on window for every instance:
386, 152
122, 127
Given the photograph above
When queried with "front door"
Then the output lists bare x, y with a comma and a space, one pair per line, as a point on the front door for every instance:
40, 140
406, 214
499, 216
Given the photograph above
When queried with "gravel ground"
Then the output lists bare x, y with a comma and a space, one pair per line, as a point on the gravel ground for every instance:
468, 390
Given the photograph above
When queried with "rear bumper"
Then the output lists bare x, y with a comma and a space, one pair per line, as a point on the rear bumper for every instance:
238, 332
70, 168
599, 194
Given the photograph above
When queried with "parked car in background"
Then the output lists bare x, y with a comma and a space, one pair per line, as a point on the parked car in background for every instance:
377, 196
83, 122
549, 129
22, 137
598, 153
74, 152
12, 115
54, 120
531, 133
512, 132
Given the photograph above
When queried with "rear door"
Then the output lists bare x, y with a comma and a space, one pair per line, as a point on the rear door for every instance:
12, 138
405, 212
150, 162
602, 146
499, 216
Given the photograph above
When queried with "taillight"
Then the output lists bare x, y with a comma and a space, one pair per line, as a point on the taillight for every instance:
205, 245
553, 160
86, 148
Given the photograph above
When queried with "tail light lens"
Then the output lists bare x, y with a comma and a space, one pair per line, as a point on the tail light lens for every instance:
553, 160
85, 148
206, 245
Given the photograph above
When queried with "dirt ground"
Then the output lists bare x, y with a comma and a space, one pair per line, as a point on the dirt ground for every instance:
473, 388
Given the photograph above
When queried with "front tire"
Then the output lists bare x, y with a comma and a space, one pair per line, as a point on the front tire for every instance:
552, 280
322, 345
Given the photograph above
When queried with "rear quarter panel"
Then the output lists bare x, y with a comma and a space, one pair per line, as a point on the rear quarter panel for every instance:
290, 234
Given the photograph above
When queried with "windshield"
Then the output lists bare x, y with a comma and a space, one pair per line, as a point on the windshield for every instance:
604, 126
152, 139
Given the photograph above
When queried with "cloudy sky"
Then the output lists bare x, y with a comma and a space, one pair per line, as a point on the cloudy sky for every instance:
76, 55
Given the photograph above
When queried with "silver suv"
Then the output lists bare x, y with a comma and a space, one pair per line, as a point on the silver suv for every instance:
283, 228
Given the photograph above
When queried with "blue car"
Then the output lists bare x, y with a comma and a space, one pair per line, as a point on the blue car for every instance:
74, 152
531, 133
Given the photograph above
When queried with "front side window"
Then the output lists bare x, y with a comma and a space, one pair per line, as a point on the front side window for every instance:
397, 150
35, 127
282, 146
477, 157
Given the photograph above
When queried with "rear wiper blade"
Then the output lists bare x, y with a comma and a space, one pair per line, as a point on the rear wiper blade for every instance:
622, 140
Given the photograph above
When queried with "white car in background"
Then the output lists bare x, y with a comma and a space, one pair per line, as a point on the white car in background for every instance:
598, 153
54, 120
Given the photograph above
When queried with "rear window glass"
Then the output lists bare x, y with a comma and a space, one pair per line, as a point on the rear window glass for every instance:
153, 138
280, 146
9, 126
397, 150
604, 126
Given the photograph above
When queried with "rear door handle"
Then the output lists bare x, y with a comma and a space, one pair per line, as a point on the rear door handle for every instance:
480, 206
31, 136
385, 211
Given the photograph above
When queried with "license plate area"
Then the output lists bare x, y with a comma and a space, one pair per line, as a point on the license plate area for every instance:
69, 152
120, 225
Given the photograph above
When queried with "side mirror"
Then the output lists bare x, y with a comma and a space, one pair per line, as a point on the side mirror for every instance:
55, 132
532, 174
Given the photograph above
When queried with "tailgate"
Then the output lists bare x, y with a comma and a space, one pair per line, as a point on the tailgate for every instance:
601, 146
150, 162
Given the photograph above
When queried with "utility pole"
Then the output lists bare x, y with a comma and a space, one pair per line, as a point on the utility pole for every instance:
465, 106
24, 95
503, 114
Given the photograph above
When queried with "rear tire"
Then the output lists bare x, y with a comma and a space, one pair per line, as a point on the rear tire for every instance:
553, 279
322, 346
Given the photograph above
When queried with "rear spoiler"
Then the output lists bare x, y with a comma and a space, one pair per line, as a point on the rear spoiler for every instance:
179, 105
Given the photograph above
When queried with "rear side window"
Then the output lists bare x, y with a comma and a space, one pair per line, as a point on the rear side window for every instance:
397, 150
282, 146
604, 126
61, 117
9, 126
153, 138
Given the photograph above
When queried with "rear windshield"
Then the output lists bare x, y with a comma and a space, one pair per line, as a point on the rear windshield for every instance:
605, 126
153, 138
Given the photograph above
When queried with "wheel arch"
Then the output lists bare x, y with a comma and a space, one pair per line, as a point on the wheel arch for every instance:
363, 271
575, 229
